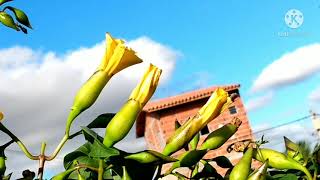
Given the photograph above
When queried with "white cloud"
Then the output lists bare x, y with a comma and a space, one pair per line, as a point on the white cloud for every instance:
290, 68
258, 102
37, 90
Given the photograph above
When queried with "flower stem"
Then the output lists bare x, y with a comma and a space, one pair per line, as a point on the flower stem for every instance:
17, 140
100, 170
58, 148
41, 160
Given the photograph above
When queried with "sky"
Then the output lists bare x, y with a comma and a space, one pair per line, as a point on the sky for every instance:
197, 44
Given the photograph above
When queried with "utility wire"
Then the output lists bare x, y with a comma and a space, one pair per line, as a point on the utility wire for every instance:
284, 124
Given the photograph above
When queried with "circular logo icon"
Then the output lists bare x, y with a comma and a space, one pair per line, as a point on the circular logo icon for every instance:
293, 18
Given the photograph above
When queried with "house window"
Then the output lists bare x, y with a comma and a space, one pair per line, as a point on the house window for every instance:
204, 131
232, 110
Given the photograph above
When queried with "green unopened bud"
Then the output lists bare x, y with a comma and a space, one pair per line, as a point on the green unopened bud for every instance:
218, 137
116, 58
279, 160
125, 175
242, 169
293, 150
187, 159
122, 122
2, 166
63, 175
150, 156
20, 16
194, 141
7, 20
260, 173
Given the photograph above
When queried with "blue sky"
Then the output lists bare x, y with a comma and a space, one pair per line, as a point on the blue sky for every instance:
218, 42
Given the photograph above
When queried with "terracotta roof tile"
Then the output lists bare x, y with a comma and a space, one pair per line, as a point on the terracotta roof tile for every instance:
186, 97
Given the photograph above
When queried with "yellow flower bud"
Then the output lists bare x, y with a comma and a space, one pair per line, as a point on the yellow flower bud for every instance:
116, 58
122, 122
1, 116
145, 89
214, 106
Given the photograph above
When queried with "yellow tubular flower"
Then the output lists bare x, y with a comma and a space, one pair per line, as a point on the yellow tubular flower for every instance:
216, 104
122, 122
116, 58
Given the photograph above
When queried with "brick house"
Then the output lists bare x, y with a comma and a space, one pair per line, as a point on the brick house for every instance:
157, 121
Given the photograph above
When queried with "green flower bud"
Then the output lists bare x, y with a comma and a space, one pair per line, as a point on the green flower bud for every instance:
20, 16
242, 169
260, 173
150, 156
293, 150
2, 166
64, 175
7, 20
279, 160
218, 137
122, 122
125, 175
187, 159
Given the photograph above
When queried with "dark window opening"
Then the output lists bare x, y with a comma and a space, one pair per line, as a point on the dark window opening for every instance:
204, 131
232, 110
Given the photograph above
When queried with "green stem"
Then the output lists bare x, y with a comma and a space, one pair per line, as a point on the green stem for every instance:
26, 152
88, 167
58, 148
72, 115
17, 140
100, 170
7, 144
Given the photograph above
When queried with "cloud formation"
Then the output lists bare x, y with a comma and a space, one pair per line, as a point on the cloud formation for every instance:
258, 102
291, 68
37, 90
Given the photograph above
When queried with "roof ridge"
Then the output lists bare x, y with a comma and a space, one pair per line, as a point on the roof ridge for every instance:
185, 97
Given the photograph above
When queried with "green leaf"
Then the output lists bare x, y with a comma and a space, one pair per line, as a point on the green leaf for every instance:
4, 1
90, 135
101, 121
108, 174
83, 150
20, 16
223, 162
7, 20
84, 173
98, 150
